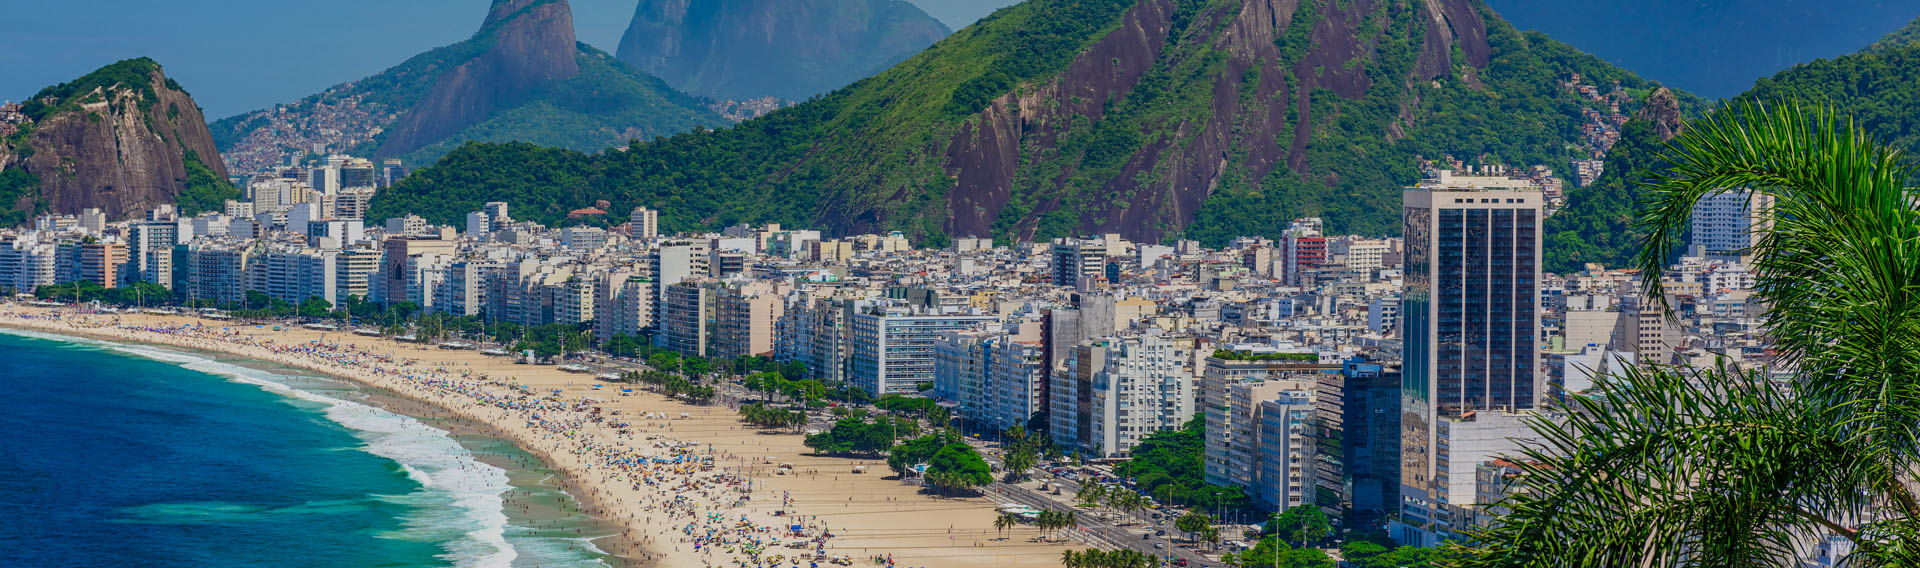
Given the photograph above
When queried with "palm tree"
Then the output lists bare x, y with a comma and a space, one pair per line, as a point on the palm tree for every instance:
1005, 522
1684, 466
1090, 494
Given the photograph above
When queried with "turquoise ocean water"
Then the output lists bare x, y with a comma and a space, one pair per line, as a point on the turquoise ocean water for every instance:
132, 455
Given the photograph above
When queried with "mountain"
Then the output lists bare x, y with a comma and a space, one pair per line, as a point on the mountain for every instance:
1879, 88
1596, 225
1905, 36
521, 77
123, 139
1156, 119
786, 49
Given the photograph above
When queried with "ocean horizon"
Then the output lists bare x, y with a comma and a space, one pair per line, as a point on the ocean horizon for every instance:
133, 454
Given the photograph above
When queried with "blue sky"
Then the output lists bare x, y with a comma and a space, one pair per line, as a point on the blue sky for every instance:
238, 55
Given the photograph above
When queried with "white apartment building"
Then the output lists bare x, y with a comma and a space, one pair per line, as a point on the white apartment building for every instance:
890, 349
625, 304
1726, 224
1284, 469
27, 264
1116, 390
293, 274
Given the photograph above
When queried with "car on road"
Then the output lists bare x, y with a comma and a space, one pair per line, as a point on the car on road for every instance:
1146, 537
1179, 562
1159, 545
1161, 532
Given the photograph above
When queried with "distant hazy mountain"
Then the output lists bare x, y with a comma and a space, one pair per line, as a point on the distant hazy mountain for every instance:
123, 139
788, 49
1156, 119
522, 77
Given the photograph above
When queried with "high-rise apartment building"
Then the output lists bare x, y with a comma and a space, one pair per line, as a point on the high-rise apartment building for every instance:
1357, 430
1471, 324
686, 317
1726, 224
625, 305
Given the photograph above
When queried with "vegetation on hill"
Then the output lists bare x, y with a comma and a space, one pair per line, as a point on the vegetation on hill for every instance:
879, 154
205, 190
133, 74
122, 139
877, 131
1597, 223
19, 197
1905, 36
1517, 114
606, 103
1878, 89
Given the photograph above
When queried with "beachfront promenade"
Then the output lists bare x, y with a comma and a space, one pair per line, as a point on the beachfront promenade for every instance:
689, 485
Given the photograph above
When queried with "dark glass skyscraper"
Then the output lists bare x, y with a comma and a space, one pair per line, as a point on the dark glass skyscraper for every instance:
1471, 321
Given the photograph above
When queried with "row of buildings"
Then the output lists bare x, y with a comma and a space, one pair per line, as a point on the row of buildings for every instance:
1379, 378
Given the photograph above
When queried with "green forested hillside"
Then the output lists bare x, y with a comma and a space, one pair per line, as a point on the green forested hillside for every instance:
1905, 36
1157, 119
1880, 89
607, 103
1597, 223
878, 130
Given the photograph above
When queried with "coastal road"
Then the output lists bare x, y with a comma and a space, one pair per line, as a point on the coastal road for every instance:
1098, 528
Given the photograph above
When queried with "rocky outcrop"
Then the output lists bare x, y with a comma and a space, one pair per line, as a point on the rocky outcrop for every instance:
1164, 182
1154, 119
527, 43
117, 139
788, 49
1662, 111
522, 77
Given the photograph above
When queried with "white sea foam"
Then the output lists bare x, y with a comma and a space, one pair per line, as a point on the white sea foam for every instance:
428, 456
460, 495
447, 471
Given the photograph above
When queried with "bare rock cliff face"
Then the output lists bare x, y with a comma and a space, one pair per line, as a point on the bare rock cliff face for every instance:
527, 43
1163, 184
117, 151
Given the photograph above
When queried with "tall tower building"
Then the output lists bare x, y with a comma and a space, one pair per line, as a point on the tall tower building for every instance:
1471, 324
646, 223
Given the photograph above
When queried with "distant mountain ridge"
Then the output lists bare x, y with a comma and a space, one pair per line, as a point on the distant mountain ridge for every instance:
1156, 119
1905, 36
123, 139
787, 49
522, 77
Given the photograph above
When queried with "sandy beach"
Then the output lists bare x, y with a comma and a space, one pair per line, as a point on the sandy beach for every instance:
692, 491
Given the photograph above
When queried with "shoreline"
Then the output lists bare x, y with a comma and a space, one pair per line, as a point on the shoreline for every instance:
614, 544
384, 397
682, 491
